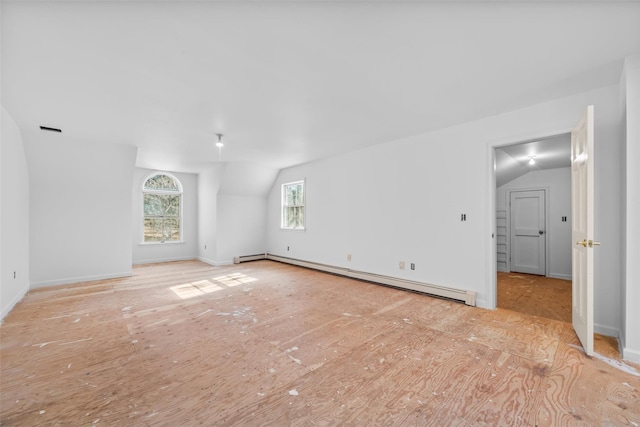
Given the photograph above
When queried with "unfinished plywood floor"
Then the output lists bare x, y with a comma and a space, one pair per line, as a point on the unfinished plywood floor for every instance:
545, 297
265, 343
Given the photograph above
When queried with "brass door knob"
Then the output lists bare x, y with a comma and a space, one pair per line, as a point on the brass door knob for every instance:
583, 243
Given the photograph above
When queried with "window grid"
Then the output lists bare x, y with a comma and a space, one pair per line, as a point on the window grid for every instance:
293, 206
162, 209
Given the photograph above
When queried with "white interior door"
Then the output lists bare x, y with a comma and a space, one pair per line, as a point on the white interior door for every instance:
528, 235
582, 190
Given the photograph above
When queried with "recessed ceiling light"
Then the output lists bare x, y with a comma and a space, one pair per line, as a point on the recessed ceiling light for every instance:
50, 129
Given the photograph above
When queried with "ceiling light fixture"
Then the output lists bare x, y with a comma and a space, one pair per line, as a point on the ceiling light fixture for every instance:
219, 144
532, 160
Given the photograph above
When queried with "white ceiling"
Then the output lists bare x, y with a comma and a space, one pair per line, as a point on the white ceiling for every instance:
550, 153
290, 82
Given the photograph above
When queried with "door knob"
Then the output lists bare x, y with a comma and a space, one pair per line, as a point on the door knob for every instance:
592, 243
583, 243
541, 232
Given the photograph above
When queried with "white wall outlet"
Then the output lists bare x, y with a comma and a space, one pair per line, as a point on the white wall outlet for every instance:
401, 265
348, 257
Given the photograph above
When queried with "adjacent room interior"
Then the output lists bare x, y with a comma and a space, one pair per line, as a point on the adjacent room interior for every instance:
288, 213
533, 227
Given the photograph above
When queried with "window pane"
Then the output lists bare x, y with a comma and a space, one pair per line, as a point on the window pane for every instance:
161, 229
172, 229
153, 229
293, 205
162, 205
294, 216
294, 194
161, 182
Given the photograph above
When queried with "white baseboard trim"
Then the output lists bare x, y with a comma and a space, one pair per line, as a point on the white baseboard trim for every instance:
247, 258
631, 355
560, 276
13, 302
215, 263
480, 303
70, 280
159, 260
606, 330
468, 297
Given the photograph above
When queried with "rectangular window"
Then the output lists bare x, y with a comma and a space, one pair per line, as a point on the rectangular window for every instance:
293, 206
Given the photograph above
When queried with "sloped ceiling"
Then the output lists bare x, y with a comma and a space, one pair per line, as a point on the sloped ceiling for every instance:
290, 82
513, 161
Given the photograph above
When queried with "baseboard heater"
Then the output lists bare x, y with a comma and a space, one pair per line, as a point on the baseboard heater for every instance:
468, 297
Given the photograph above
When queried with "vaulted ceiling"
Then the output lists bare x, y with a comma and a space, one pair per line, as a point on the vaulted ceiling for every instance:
290, 82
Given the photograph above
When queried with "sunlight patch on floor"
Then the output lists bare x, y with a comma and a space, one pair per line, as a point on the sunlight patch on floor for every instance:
203, 287
234, 279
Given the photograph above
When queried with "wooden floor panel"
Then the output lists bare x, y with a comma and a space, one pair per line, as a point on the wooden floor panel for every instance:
265, 343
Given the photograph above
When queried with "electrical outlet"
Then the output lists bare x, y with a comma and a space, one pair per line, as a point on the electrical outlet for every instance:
348, 257
413, 266
205, 247
287, 247
401, 265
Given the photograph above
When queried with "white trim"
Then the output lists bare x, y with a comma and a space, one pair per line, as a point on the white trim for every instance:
71, 280
6, 310
170, 242
468, 297
606, 330
304, 205
631, 355
491, 275
159, 260
180, 192
490, 206
215, 263
560, 276
247, 258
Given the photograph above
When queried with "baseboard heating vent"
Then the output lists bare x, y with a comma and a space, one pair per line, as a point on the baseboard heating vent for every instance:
247, 258
468, 297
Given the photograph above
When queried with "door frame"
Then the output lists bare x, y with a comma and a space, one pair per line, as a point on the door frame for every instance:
546, 190
491, 284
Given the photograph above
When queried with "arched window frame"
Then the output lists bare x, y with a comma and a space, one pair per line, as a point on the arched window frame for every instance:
161, 192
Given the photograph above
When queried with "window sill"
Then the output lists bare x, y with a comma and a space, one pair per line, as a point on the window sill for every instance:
173, 242
293, 229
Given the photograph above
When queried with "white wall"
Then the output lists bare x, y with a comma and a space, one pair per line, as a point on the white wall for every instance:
80, 204
172, 251
402, 201
631, 210
558, 184
241, 226
242, 210
14, 216
208, 185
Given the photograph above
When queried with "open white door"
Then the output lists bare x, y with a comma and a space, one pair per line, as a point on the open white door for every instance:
582, 190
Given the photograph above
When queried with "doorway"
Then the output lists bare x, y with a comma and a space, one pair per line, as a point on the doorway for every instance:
533, 226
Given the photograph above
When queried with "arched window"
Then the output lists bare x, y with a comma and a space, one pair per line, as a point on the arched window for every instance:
162, 195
